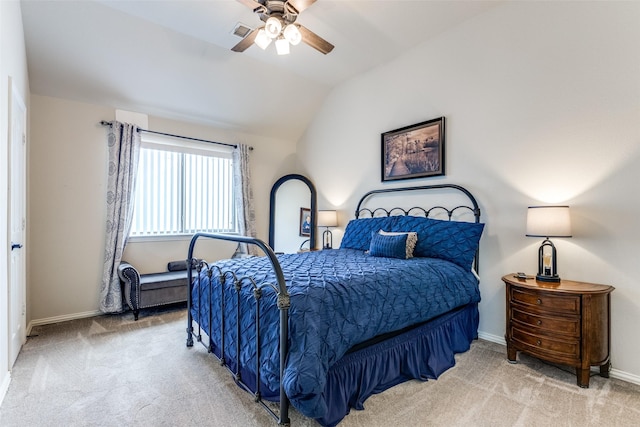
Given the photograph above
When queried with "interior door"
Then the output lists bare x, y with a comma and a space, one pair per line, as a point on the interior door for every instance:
17, 222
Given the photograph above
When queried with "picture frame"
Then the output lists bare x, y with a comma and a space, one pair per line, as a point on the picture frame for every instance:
305, 222
415, 151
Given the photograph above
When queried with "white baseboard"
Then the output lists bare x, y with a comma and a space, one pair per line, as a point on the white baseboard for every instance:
624, 376
63, 318
4, 385
614, 373
490, 337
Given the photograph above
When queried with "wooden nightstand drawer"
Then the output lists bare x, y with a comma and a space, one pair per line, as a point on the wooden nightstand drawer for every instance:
564, 322
565, 348
555, 303
569, 326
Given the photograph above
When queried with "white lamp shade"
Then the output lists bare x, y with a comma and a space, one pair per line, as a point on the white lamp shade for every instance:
282, 46
327, 218
548, 221
273, 26
262, 39
292, 34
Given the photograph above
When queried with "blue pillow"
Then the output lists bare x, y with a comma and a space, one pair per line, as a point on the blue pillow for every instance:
357, 235
389, 246
453, 241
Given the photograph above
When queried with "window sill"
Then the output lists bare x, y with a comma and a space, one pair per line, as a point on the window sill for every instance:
167, 238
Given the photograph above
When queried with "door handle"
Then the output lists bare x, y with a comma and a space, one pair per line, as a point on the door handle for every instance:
15, 246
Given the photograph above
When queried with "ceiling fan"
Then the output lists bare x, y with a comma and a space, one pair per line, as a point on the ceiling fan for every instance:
279, 18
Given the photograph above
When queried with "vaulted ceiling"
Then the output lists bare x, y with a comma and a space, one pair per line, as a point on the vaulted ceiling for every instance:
173, 58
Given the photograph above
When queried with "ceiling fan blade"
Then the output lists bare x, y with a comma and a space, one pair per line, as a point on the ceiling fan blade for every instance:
245, 42
251, 4
300, 5
314, 40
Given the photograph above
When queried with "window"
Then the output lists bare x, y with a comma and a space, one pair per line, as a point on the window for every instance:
183, 188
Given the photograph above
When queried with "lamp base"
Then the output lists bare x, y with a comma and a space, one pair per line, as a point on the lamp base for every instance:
543, 278
327, 237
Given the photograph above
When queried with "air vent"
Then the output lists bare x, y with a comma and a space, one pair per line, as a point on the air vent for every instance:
241, 30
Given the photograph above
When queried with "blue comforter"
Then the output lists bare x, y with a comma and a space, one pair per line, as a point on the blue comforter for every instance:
339, 298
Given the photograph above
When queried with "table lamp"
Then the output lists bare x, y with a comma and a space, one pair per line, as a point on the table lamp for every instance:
548, 221
327, 218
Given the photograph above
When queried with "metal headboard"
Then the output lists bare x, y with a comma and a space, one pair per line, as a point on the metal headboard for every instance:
473, 205
473, 208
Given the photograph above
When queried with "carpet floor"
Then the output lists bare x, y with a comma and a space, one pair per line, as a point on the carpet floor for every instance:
113, 371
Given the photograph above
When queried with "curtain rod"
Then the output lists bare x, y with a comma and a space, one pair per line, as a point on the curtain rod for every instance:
105, 123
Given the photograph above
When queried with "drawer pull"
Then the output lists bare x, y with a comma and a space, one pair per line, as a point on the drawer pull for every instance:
539, 322
539, 342
539, 302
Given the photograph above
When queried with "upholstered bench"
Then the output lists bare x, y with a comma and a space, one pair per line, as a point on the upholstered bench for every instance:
155, 289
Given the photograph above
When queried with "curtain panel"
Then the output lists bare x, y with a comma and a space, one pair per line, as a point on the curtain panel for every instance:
245, 211
124, 149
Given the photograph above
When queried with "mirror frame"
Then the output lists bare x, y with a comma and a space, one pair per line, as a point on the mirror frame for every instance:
314, 211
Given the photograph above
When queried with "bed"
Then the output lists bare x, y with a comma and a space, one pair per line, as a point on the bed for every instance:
324, 330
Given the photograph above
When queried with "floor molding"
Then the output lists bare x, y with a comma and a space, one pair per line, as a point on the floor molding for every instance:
63, 318
624, 376
490, 337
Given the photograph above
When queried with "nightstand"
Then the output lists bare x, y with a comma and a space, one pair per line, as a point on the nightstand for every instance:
564, 322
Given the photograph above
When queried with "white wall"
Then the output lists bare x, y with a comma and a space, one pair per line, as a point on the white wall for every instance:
542, 105
67, 164
13, 63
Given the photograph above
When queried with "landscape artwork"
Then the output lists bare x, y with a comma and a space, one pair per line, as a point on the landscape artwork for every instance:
414, 151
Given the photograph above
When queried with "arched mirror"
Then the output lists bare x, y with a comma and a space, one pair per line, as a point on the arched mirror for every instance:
292, 214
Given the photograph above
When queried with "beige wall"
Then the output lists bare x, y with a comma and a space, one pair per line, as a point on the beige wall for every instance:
13, 64
542, 105
67, 203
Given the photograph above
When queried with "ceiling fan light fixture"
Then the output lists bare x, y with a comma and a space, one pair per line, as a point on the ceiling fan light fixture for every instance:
280, 22
292, 34
262, 39
273, 27
282, 46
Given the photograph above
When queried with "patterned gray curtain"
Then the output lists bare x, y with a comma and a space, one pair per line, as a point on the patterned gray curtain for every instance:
124, 149
245, 211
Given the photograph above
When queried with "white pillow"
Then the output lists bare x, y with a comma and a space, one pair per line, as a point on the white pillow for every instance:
412, 239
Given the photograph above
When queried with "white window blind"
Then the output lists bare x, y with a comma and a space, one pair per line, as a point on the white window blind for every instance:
183, 188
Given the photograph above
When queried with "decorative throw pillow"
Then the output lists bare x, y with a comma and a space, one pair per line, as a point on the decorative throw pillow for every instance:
453, 241
388, 246
412, 239
357, 234
177, 265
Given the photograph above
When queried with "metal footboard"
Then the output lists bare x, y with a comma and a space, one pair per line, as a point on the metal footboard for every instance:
239, 282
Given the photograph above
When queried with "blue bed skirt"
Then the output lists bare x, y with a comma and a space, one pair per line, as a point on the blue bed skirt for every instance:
421, 353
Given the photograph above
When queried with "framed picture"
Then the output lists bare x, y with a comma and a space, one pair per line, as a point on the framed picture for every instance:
415, 151
305, 222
